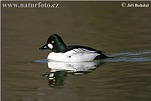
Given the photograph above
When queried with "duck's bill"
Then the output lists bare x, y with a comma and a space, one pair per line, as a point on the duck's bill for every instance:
43, 47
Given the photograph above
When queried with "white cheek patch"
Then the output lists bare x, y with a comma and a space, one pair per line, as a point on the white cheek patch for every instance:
50, 46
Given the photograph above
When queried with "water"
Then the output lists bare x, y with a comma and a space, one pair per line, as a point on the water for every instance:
59, 70
123, 33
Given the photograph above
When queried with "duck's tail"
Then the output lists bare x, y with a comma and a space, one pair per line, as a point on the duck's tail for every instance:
102, 56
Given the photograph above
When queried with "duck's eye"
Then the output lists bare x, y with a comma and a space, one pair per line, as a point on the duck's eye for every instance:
52, 41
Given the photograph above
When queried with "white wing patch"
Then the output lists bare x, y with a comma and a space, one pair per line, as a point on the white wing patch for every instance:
82, 51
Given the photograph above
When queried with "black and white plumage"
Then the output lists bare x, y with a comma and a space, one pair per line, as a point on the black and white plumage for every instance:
73, 53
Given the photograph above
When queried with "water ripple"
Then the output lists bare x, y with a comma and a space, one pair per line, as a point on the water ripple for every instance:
141, 56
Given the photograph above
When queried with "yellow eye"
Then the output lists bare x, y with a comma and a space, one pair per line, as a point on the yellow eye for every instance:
52, 42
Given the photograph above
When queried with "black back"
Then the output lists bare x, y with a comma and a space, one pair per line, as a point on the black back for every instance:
101, 56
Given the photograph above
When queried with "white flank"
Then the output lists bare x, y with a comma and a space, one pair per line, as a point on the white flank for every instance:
75, 55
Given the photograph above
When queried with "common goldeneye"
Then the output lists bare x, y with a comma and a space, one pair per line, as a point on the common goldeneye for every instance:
73, 53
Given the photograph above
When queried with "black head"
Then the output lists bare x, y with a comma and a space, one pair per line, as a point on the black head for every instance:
55, 43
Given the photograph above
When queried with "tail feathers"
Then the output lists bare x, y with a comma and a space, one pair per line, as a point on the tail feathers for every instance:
101, 56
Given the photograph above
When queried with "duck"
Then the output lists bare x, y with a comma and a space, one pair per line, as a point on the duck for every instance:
73, 53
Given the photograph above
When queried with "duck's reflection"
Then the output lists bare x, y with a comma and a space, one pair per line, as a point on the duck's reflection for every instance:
56, 78
59, 70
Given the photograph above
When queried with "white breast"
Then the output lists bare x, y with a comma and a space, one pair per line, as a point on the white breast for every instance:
75, 55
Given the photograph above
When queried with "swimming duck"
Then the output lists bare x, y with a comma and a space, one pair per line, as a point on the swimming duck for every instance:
73, 53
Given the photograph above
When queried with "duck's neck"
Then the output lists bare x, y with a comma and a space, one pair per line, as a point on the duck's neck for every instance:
60, 47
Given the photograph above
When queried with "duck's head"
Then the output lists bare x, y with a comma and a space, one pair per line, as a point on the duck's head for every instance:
55, 43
